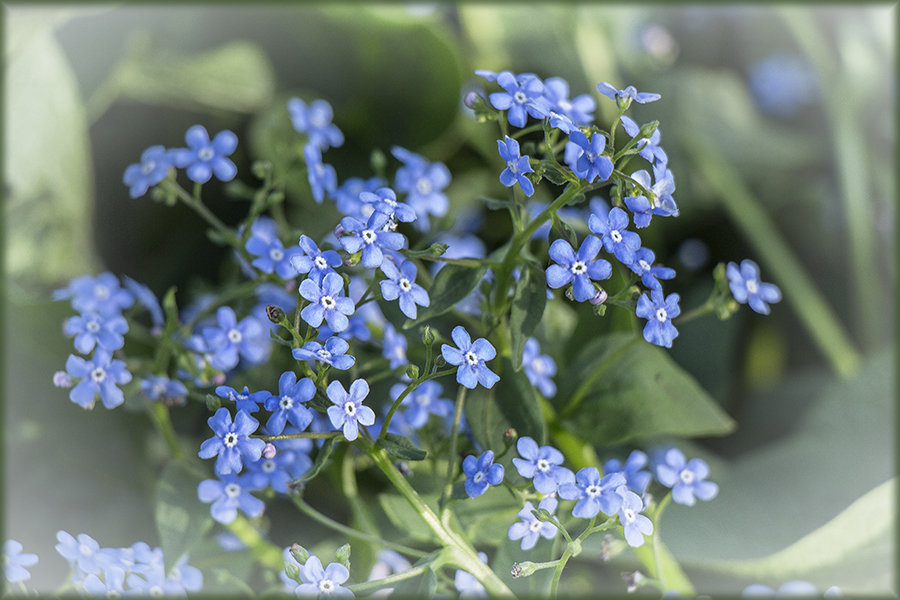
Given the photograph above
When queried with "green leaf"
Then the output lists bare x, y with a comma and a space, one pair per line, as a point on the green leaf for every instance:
181, 519
518, 403
422, 586
493, 203
526, 312
452, 283
403, 516
321, 459
621, 388
401, 447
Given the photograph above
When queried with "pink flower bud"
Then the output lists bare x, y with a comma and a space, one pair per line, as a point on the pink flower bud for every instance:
61, 379
269, 451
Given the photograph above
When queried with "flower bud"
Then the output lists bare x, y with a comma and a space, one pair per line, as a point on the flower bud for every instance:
648, 129
510, 436
472, 99
261, 168
61, 379
542, 515
412, 371
438, 249
599, 298
378, 161
428, 335
274, 313
299, 553
269, 451
343, 555
213, 403
292, 571
338, 230
218, 379
523, 569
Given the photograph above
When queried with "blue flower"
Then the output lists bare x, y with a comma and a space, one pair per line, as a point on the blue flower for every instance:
516, 166
231, 442
279, 471
101, 294
394, 347
592, 163
384, 200
578, 268
422, 402
529, 529
82, 553
153, 168
327, 301
288, 404
314, 261
321, 176
228, 494
648, 148
273, 256
92, 329
99, 375
790, 589
578, 109
400, 283
617, 241
519, 92
539, 368
423, 183
15, 561
333, 353
348, 413
470, 356
687, 479
244, 401
747, 288
481, 473
203, 158
144, 295
466, 584
323, 582
542, 465
635, 478
650, 275
230, 340
169, 391
628, 95
662, 204
593, 493
634, 524
347, 196
111, 586
659, 312
315, 121
371, 237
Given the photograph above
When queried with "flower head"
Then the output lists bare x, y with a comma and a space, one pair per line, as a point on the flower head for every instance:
245, 400
659, 312
101, 294
333, 353
516, 166
422, 402
394, 347
204, 157
579, 109
481, 473
327, 301
470, 356
93, 329
650, 275
616, 239
314, 119
231, 441
384, 199
169, 391
593, 493
591, 163
323, 582
314, 261
272, 256
321, 176
348, 412
15, 561
539, 368
635, 478
635, 525
401, 285
542, 464
372, 238
423, 182
288, 404
687, 479
82, 553
232, 340
153, 168
628, 95
529, 529
100, 375
518, 96
747, 288
230, 493
577, 268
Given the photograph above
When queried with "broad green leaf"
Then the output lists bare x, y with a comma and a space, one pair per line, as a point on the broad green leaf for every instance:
403, 516
181, 519
452, 283
422, 586
401, 447
622, 388
527, 310
517, 402
321, 460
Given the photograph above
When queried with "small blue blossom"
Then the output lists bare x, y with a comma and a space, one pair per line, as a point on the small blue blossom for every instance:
648, 148
481, 473
466, 584
92, 329
314, 261
244, 401
333, 353
384, 200
516, 166
273, 256
539, 368
577, 268
372, 238
401, 284
230, 493
231, 442
204, 158
422, 402
660, 202
650, 275
616, 239
314, 120
348, 413
288, 404
529, 529
593, 493
423, 182
321, 176
579, 109
101, 294
634, 524
394, 347
518, 95
82, 553
230, 341
169, 391
591, 163
145, 296
321, 582
327, 301
99, 375
111, 586
470, 356
747, 288
15, 562
279, 471
790, 589
347, 196
542, 464
629, 94
153, 168
635, 478
659, 312
687, 479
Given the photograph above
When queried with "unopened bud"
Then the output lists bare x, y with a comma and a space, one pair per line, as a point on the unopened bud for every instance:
269, 451
428, 335
471, 99
218, 379
438, 249
343, 555
300, 554
648, 129
510, 436
439, 361
633, 580
261, 168
292, 571
274, 313
213, 403
599, 298
412, 371
61, 379
338, 231
523, 569
542, 515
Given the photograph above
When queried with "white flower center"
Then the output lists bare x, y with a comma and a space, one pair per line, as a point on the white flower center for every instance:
629, 515
405, 285
276, 254
565, 105
645, 266
101, 291
320, 171
350, 408
321, 263
232, 490
538, 366
478, 477
687, 476
234, 336
423, 186
328, 302
369, 236
323, 354
93, 326
535, 526
593, 491
268, 466
578, 267
318, 120
615, 235
206, 153
543, 465
326, 586
98, 375
286, 403
148, 167
85, 550
158, 389
231, 439
520, 97
661, 315
752, 287
156, 591
471, 358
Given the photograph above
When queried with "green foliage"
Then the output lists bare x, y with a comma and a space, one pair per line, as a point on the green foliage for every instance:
527, 310
181, 519
401, 447
452, 283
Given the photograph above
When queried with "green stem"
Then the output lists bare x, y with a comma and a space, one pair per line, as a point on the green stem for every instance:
353, 533
159, 413
413, 385
197, 206
297, 436
390, 579
267, 553
557, 574
451, 461
816, 315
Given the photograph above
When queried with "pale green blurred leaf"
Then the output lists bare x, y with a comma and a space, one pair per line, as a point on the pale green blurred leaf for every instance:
181, 519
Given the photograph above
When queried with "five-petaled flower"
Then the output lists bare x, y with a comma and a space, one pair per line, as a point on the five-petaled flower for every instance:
272, 256
15, 562
539, 368
230, 493
153, 168
626, 95
314, 261
384, 199
747, 288
327, 301
516, 166
322, 582
591, 163
518, 96
93, 329
616, 239
481, 473
332, 353
314, 119
686, 478
232, 442
659, 312
530, 529
204, 157
634, 524
470, 357
288, 405
401, 284
348, 412
372, 238
232, 340
593, 493
100, 375
577, 268
542, 465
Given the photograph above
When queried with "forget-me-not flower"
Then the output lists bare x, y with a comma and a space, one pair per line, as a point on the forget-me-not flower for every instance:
423, 182
747, 288
101, 294
230, 493
170, 391
204, 157
288, 404
92, 329
635, 525
82, 553
401, 285
153, 168
663, 204
102, 375
650, 275
686, 478
371, 238
593, 493
246, 400
231, 340
394, 347
15, 562
314, 119
333, 353
422, 402
516, 166
635, 477
616, 239
628, 94
321, 176
518, 95
348, 412
529, 529
481, 473
591, 163
539, 368
231, 442
542, 465
648, 148
327, 301
314, 261
321, 582
659, 311
470, 356
384, 199
577, 268
273, 256
579, 109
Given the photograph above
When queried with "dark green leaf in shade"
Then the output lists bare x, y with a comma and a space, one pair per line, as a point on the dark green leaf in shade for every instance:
401, 447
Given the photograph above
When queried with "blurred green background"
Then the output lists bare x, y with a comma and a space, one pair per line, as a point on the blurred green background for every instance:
779, 123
